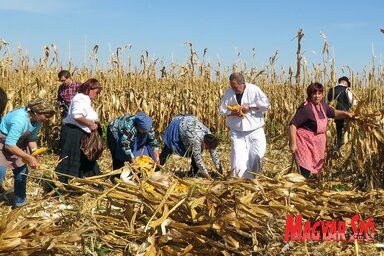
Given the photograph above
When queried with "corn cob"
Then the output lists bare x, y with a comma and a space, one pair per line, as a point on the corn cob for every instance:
235, 108
39, 151
181, 188
144, 162
148, 187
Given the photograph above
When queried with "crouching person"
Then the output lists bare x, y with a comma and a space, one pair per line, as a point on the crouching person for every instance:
18, 134
188, 137
130, 136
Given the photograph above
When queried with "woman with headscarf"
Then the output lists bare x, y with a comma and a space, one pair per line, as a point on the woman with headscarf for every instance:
18, 135
307, 130
81, 119
130, 136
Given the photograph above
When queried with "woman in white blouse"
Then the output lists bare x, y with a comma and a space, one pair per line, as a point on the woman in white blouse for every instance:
82, 118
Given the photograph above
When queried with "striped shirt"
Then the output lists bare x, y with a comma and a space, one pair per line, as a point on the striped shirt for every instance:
192, 133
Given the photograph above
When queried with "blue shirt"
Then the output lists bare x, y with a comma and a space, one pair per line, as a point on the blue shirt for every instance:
125, 132
17, 122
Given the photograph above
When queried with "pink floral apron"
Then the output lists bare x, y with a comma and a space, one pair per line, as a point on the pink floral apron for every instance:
311, 145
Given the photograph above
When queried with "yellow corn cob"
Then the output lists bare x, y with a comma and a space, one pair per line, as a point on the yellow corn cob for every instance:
181, 188
146, 164
235, 108
145, 160
39, 151
149, 187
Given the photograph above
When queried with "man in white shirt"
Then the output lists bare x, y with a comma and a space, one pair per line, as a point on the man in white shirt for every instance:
246, 125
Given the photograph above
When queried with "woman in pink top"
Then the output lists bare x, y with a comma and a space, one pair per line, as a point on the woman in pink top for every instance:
307, 130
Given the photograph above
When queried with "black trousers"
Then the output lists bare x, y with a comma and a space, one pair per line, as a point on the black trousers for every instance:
339, 131
116, 163
304, 172
166, 152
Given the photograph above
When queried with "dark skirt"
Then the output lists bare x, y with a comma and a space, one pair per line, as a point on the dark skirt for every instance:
73, 161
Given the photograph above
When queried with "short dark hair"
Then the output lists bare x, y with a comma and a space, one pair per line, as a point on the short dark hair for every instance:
238, 77
211, 141
64, 73
314, 87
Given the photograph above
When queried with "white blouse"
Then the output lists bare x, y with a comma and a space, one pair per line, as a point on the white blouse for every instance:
81, 106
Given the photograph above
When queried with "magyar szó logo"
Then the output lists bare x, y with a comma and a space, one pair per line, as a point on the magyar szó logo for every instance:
328, 230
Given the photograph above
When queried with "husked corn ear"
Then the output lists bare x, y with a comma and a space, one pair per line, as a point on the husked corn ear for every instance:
181, 188
235, 108
149, 187
39, 151
146, 164
145, 159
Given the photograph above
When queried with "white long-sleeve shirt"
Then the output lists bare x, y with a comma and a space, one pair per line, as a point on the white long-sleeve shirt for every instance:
254, 118
350, 96
81, 106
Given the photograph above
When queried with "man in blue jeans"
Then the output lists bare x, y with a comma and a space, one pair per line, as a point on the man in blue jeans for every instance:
18, 134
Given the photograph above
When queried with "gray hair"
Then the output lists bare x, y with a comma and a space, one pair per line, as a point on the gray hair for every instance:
238, 77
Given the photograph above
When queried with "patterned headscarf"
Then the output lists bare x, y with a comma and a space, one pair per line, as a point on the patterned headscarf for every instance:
41, 106
143, 121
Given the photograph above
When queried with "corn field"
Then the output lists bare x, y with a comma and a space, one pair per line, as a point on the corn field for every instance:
220, 218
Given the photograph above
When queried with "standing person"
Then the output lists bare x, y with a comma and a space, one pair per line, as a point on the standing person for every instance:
307, 130
246, 124
187, 136
130, 136
344, 99
82, 119
18, 135
67, 90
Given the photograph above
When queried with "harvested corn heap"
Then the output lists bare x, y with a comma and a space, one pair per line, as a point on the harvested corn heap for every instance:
186, 217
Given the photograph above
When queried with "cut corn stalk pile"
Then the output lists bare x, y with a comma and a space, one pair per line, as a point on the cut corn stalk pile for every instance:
166, 215
143, 214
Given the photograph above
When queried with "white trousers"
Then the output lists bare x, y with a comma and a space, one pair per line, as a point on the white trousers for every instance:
247, 150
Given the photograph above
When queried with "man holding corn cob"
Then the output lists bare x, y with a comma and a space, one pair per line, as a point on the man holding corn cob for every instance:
244, 105
18, 132
187, 136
